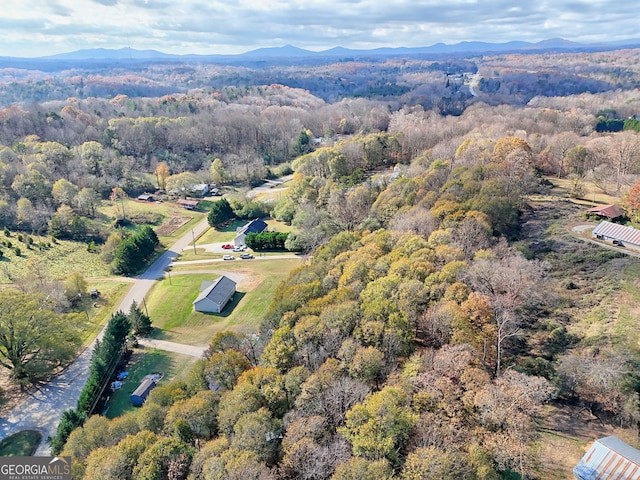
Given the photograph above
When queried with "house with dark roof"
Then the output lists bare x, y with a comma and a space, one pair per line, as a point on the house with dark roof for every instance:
254, 226
609, 458
141, 393
607, 211
620, 235
215, 295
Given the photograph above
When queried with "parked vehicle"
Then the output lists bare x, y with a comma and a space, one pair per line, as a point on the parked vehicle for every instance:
241, 248
246, 256
228, 257
227, 246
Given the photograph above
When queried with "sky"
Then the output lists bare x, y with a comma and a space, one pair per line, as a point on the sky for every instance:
33, 28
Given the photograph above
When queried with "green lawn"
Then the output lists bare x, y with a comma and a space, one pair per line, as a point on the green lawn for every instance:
21, 444
144, 362
171, 309
158, 212
98, 311
226, 235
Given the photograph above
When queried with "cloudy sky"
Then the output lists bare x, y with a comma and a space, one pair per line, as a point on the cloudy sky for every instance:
43, 27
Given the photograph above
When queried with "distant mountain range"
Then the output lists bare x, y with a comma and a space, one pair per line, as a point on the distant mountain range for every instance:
289, 52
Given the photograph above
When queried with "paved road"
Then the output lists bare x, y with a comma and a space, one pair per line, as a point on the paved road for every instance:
42, 410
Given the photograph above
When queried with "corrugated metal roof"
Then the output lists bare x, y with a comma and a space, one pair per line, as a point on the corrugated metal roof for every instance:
618, 232
609, 458
145, 386
218, 291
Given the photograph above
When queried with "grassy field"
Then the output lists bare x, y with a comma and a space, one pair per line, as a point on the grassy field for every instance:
225, 234
595, 294
155, 214
57, 261
144, 362
592, 194
60, 258
20, 444
99, 311
615, 322
170, 304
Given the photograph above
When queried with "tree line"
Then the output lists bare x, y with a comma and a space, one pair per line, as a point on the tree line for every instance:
134, 251
107, 355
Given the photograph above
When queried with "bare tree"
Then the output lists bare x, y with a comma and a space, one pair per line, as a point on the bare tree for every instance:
625, 154
513, 284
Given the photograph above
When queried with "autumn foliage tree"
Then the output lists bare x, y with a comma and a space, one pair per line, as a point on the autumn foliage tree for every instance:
631, 202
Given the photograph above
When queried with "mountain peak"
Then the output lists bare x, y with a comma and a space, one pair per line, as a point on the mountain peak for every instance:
124, 53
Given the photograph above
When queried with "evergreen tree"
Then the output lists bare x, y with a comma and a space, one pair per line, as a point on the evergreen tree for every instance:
140, 322
220, 213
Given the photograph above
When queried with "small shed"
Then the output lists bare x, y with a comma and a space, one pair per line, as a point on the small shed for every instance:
256, 225
609, 458
140, 394
607, 211
145, 197
618, 234
214, 296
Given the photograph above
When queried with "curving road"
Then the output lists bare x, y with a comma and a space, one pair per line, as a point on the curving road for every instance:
42, 410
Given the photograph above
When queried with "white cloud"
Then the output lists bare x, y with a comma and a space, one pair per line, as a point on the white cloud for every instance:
42, 27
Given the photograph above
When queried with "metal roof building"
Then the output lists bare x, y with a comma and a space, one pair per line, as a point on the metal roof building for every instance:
215, 296
140, 394
612, 231
609, 458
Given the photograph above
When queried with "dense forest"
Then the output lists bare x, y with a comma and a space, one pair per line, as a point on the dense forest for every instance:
431, 328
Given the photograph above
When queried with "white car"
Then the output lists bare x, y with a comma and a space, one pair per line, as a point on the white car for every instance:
228, 257
246, 256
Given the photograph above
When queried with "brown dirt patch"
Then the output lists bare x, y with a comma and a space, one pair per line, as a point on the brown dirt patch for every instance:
171, 224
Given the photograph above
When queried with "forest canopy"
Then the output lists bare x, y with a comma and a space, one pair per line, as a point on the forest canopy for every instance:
434, 323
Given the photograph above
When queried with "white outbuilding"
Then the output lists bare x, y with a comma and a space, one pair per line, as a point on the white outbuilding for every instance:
215, 295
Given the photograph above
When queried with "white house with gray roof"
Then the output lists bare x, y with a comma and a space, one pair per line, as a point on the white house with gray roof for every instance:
215, 295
